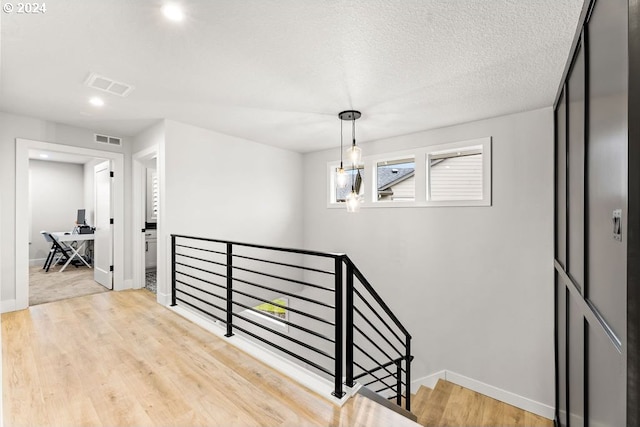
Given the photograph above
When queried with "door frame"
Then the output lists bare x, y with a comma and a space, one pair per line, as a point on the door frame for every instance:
139, 205
22, 207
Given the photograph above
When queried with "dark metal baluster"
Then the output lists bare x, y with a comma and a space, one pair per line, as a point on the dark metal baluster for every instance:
349, 326
408, 375
173, 270
399, 382
229, 290
338, 345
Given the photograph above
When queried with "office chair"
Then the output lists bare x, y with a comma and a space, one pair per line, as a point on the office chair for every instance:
56, 249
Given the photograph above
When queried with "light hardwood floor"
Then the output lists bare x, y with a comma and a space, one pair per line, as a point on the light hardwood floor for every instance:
449, 404
120, 359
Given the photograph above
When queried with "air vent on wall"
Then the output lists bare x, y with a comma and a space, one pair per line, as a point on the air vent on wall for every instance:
106, 84
105, 139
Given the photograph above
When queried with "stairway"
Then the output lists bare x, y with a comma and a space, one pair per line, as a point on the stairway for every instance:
449, 404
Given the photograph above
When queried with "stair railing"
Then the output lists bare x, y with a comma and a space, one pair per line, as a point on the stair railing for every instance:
314, 301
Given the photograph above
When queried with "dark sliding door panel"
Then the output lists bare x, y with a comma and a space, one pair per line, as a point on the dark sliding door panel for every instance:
575, 353
561, 367
561, 181
607, 160
575, 174
607, 377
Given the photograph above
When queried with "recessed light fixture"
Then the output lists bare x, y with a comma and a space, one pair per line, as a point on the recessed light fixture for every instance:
173, 12
96, 102
44, 156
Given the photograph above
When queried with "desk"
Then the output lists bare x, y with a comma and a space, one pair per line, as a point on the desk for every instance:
82, 240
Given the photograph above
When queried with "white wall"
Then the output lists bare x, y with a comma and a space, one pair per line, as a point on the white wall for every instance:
474, 285
15, 126
55, 195
217, 186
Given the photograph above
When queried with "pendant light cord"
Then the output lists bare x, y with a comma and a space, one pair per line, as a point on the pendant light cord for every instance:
341, 144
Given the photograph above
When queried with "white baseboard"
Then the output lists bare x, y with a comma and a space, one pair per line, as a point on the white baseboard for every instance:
7, 306
486, 389
297, 373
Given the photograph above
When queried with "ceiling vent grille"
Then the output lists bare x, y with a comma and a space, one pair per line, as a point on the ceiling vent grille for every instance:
105, 139
106, 84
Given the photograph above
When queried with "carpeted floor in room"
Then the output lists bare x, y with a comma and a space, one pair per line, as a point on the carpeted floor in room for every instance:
55, 285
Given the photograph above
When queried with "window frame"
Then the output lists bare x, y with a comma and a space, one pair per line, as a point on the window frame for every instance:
422, 171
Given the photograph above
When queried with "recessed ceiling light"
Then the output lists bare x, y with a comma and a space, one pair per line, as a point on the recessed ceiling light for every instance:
96, 102
173, 12
44, 156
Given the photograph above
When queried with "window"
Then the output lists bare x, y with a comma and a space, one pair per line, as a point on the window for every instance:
272, 313
455, 174
396, 180
451, 174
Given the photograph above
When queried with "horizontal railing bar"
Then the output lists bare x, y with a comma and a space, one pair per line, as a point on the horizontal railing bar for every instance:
373, 342
273, 248
203, 260
376, 329
199, 309
359, 376
285, 336
377, 315
200, 299
372, 359
286, 322
284, 278
200, 279
201, 290
200, 269
200, 249
375, 381
285, 293
364, 282
293, 310
285, 264
284, 350
386, 388
392, 362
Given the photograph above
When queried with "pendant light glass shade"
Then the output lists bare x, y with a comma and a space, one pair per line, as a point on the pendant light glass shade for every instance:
341, 177
354, 154
353, 202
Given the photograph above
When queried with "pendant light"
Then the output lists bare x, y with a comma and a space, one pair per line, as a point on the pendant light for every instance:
354, 154
341, 174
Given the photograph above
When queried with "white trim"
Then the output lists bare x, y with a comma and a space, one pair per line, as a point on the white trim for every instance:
7, 306
22, 205
297, 373
488, 390
128, 284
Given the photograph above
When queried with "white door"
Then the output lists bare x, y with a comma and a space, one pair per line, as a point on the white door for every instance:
102, 246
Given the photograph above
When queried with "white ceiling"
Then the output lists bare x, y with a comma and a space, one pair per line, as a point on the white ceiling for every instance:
279, 71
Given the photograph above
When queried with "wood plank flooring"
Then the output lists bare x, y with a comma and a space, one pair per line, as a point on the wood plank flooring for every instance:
449, 404
120, 359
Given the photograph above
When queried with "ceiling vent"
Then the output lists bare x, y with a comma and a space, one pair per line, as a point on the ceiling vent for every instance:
105, 139
106, 84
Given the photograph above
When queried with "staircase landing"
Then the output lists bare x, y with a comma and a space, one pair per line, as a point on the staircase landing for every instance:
449, 404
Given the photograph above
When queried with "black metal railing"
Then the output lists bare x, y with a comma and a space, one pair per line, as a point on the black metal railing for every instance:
327, 316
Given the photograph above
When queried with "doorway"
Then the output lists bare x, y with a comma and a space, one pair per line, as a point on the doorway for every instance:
146, 206
23, 149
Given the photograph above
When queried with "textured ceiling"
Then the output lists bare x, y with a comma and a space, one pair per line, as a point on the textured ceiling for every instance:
279, 71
